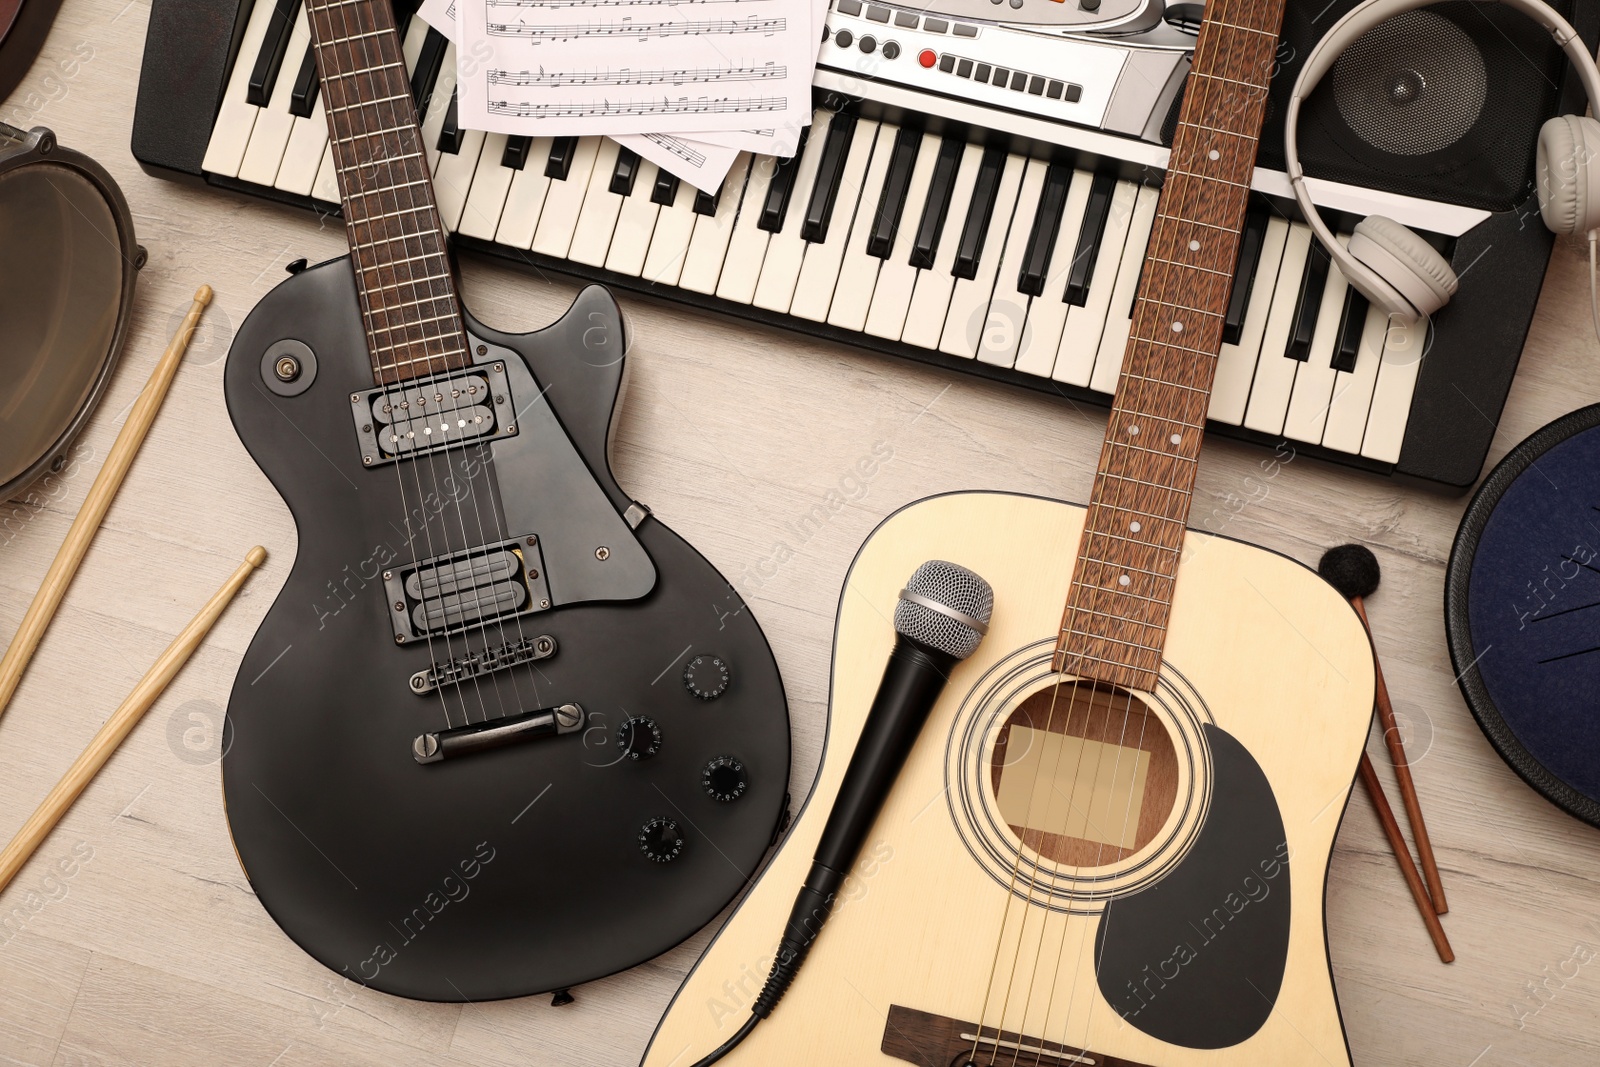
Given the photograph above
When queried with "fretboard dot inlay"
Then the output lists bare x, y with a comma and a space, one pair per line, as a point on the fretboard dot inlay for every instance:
1176, 438
1133, 429
1134, 526
1177, 327
1194, 246
1124, 581
1213, 155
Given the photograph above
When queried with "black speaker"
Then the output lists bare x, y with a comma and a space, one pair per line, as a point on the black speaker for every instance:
1443, 102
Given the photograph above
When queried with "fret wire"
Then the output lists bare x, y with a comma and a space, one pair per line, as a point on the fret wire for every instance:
1163, 601
1207, 178
408, 259
408, 325
1108, 637
430, 359
1152, 451
1124, 567
368, 103
1188, 266
1080, 656
1080, 609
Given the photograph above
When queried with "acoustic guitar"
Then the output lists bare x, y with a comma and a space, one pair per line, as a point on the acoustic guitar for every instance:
502, 731
1109, 843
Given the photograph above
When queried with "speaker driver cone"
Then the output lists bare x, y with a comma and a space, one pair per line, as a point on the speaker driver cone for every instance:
1412, 85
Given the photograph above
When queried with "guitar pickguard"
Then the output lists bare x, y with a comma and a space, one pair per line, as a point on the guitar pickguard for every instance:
1197, 959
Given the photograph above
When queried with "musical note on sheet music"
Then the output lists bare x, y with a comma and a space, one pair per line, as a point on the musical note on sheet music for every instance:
635, 67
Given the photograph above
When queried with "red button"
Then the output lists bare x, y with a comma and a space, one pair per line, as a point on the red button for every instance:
927, 58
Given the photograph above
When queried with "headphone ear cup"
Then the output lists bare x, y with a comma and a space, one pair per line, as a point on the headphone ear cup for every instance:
1568, 199
1405, 261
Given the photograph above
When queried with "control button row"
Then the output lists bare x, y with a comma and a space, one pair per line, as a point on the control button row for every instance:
908, 20
1002, 77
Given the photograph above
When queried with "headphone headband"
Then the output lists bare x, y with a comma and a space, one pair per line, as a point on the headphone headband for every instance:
1357, 21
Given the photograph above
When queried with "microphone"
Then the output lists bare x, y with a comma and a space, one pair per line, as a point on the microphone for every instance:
942, 614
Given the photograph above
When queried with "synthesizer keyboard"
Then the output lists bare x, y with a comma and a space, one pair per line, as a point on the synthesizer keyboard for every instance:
944, 207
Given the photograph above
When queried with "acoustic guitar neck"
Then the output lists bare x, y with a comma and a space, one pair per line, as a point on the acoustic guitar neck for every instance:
1115, 622
409, 305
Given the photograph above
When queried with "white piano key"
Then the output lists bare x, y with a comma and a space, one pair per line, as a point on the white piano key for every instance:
819, 274
270, 134
1236, 364
326, 186
669, 243
636, 221
597, 219
1405, 343
786, 250
1352, 390
966, 320
1313, 379
858, 271
553, 237
525, 198
1080, 338
1274, 377
308, 140
444, 88
897, 278
486, 199
708, 245
747, 247
1047, 313
1114, 339
236, 117
1008, 307
452, 179
930, 300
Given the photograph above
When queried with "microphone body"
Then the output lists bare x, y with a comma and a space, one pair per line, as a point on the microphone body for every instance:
932, 636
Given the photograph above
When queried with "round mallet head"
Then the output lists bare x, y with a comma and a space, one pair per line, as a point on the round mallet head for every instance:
1351, 569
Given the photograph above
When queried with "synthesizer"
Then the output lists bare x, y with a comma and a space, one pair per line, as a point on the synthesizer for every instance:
976, 191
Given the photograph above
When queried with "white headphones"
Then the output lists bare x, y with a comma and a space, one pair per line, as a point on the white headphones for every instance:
1388, 264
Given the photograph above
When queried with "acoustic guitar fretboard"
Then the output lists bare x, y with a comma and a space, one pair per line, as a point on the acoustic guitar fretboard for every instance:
1115, 622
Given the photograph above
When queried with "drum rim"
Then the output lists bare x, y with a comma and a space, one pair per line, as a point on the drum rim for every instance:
1457, 622
39, 145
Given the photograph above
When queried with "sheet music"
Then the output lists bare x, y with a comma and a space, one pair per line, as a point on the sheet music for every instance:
700, 164
583, 67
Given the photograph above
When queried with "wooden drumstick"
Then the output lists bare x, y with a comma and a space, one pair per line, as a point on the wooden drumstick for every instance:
122, 721
1402, 855
95, 505
1353, 570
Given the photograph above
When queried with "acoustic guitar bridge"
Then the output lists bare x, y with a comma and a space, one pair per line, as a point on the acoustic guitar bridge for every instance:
921, 1037
497, 733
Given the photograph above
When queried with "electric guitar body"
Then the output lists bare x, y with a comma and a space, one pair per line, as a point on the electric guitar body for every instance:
502, 730
1062, 871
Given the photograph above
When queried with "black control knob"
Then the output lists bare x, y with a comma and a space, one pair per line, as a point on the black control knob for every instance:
639, 738
891, 50
843, 38
724, 779
867, 42
660, 840
706, 677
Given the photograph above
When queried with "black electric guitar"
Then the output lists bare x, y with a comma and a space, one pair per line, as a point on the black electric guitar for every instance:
502, 732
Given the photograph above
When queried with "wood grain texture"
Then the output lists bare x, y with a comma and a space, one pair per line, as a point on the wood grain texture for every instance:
758, 447
924, 926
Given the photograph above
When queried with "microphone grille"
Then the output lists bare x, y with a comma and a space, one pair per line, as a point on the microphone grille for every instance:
955, 588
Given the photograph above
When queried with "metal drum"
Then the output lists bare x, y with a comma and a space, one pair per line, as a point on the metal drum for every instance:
68, 261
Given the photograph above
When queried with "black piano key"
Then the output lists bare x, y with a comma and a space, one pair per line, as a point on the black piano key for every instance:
625, 173
303, 97
926, 244
451, 135
666, 189
1244, 274
775, 207
892, 201
264, 75
1305, 312
1081, 275
706, 203
830, 169
1046, 225
430, 59
515, 155
976, 228
1351, 328
562, 151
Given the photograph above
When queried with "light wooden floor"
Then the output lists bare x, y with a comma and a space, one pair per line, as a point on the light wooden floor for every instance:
153, 950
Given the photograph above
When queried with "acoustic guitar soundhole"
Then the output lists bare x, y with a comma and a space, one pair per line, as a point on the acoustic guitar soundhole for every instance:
1084, 775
